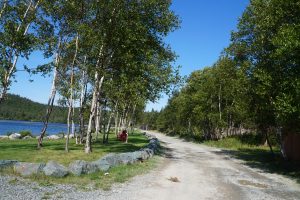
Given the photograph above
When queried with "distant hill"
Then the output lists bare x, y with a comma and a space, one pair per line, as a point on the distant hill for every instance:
15, 107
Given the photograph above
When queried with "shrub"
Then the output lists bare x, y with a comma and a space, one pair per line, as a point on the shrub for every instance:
252, 139
25, 133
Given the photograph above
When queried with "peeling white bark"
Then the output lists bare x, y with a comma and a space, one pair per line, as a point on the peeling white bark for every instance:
82, 102
51, 97
71, 98
3, 8
116, 123
88, 148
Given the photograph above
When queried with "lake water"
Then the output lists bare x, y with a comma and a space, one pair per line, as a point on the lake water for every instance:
34, 127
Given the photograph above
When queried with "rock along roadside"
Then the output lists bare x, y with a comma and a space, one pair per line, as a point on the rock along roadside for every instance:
80, 167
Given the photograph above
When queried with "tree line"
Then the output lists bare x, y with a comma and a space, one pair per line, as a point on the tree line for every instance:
254, 86
108, 57
19, 108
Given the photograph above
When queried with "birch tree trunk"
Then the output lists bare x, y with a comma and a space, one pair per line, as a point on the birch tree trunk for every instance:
130, 119
220, 111
69, 126
268, 140
124, 122
71, 101
73, 131
51, 98
120, 122
189, 126
82, 103
108, 127
88, 148
3, 8
98, 119
98, 82
116, 123
281, 143
106, 133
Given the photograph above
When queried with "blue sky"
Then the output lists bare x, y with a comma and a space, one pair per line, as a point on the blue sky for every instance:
204, 33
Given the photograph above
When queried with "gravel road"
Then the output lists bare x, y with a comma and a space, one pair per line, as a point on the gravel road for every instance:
189, 171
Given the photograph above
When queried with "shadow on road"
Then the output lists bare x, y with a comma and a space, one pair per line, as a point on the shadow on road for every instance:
265, 161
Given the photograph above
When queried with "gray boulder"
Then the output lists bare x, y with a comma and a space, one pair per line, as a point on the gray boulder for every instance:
14, 136
91, 168
54, 169
149, 152
137, 155
27, 169
127, 158
79, 167
27, 137
140, 155
153, 144
101, 165
145, 155
7, 163
108, 161
112, 159
70, 136
53, 137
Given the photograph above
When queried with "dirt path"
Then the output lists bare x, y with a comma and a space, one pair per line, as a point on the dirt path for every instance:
202, 172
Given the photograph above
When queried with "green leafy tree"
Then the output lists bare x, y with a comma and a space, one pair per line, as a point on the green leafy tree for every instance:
23, 28
268, 38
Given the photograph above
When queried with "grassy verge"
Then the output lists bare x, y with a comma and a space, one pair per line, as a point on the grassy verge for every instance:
26, 151
258, 157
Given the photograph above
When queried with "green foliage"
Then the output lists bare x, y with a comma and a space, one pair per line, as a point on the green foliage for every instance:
212, 101
20, 108
148, 120
25, 133
23, 29
268, 39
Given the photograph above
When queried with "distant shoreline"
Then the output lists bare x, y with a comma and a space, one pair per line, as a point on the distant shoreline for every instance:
15, 126
17, 120
19, 108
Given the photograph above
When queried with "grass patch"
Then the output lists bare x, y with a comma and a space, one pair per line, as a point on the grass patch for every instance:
26, 151
13, 181
257, 156
235, 143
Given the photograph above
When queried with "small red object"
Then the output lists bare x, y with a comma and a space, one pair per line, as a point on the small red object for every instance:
123, 136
